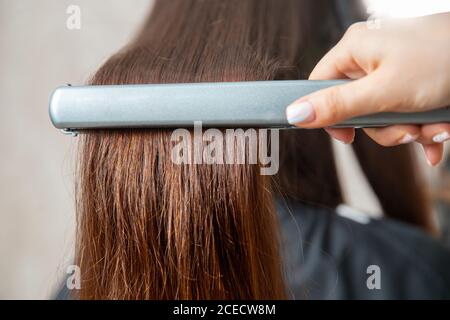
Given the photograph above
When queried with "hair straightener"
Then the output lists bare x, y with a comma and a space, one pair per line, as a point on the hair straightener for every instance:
217, 104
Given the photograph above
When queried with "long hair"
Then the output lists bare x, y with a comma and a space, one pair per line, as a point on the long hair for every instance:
152, 229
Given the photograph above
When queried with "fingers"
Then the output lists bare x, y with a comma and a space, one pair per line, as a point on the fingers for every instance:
339, 62
345, 135
430, 136
335, 104
435, 133
433, 153
400, 134
394, 135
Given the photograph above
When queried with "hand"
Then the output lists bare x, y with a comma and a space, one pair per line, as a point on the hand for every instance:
404, 66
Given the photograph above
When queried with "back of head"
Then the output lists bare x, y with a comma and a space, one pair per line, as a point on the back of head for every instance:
152, 229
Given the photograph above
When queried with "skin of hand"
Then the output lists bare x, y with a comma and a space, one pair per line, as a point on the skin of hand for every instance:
402, 66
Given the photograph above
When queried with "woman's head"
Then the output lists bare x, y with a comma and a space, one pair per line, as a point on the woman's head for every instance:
149, 228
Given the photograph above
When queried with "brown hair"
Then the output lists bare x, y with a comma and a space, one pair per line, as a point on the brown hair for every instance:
152, 229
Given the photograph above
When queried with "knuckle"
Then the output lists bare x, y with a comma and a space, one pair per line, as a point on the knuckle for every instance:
333, 104
355, 29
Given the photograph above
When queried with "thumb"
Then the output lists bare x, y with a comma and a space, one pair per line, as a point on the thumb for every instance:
332, 105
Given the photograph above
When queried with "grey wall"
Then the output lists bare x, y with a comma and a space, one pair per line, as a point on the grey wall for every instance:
38, 53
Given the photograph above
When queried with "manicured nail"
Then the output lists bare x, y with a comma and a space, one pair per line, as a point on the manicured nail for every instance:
300, 112
407, 138
342, 141
427, 158
441, 137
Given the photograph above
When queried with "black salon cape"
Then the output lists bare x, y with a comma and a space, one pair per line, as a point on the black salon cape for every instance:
327, 256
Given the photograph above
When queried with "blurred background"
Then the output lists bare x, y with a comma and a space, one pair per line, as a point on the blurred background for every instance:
39, 51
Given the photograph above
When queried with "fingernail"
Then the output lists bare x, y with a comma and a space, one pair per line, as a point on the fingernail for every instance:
407, 138
428, 159
343, 141
441, 137
300, 112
